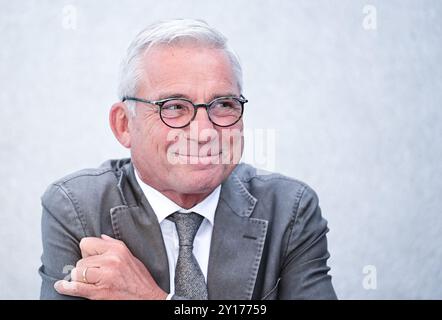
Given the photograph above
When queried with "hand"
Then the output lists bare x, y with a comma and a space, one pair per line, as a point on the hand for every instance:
112, 273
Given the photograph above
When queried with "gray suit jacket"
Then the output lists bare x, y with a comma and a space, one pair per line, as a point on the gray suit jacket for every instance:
269, 238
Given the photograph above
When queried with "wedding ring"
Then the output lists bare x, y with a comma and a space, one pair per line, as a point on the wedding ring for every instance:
85, 275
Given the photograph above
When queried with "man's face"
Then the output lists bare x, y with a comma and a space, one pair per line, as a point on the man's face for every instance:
199, 74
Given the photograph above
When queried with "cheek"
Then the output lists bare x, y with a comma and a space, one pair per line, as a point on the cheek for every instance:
151, 137
232, 141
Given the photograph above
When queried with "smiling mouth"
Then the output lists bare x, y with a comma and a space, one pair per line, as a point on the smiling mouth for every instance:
209, 155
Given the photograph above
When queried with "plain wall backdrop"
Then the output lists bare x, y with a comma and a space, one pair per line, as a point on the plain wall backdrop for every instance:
353, 100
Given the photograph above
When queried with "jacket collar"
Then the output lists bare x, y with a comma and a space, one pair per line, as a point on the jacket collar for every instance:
237, 239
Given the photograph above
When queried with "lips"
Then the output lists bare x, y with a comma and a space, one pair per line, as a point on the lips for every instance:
209, 154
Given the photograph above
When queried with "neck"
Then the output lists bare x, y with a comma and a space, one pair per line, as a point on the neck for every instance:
185, 201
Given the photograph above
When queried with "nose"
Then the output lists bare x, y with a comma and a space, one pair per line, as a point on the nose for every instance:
205, 128
202, 118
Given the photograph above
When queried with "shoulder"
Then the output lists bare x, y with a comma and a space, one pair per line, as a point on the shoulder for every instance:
86, 192
105, 173
279, 198
264, 183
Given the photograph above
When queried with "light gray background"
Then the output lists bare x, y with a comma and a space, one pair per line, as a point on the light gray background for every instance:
356, 113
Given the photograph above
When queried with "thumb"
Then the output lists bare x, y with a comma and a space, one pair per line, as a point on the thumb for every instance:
106, 237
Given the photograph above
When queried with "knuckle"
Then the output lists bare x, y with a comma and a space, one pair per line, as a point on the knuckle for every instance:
121, 245
74, 274
115, 259
120, 249
79, 263
84, 242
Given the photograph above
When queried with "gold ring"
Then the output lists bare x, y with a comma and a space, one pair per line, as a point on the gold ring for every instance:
84, 275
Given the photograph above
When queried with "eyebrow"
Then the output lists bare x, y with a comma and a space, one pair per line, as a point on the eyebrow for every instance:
167, 95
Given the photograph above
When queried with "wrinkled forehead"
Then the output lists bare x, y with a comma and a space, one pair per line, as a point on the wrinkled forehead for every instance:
187, 62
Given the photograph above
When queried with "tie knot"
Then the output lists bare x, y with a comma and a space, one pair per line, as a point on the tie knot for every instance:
187, 225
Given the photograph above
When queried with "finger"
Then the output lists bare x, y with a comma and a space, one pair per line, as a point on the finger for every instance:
106, 237
74, 288
92, 246
113, 242
89, 275
91, 261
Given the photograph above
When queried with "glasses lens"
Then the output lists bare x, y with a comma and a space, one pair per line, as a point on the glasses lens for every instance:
177, 113
225, 112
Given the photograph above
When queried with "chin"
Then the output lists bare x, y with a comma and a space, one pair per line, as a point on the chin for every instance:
200, 178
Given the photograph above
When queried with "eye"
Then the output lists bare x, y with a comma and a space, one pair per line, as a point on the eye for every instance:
224, 105
176, 108
173, 107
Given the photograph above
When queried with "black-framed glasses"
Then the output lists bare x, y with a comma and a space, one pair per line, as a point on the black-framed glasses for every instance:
180, 112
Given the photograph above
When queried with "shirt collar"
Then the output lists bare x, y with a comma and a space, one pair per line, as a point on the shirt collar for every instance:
163, 206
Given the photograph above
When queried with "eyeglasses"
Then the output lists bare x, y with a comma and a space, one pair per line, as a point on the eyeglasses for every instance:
180, 112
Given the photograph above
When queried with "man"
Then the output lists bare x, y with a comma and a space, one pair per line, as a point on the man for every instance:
182, 219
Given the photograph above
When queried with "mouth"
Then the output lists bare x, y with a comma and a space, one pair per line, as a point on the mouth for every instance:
203, 160
209, 154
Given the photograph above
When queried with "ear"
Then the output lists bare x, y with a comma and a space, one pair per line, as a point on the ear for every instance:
119, 123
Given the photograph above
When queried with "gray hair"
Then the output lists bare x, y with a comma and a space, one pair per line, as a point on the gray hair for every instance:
169, 32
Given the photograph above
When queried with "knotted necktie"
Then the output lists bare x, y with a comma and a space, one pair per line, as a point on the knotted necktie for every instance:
189, 279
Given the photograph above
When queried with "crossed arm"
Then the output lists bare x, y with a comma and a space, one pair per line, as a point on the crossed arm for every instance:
108, 270
104, 267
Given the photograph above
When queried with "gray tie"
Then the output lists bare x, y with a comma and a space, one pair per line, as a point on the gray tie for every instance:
189, 279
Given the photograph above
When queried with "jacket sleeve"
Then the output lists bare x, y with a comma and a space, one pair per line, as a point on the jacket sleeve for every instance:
304, 272
62, 231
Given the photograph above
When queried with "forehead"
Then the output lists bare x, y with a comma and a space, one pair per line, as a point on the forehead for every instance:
188, 67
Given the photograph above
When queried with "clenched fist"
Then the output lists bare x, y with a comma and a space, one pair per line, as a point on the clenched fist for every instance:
109, 271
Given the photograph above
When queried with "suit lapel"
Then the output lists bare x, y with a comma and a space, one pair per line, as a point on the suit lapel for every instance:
237, 244
137, 226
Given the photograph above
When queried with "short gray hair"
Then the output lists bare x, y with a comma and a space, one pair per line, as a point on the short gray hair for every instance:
169, 32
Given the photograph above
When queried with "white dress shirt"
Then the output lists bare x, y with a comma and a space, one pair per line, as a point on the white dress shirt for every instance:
163, 207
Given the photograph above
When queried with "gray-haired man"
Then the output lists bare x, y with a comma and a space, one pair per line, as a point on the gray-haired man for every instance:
182, 219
